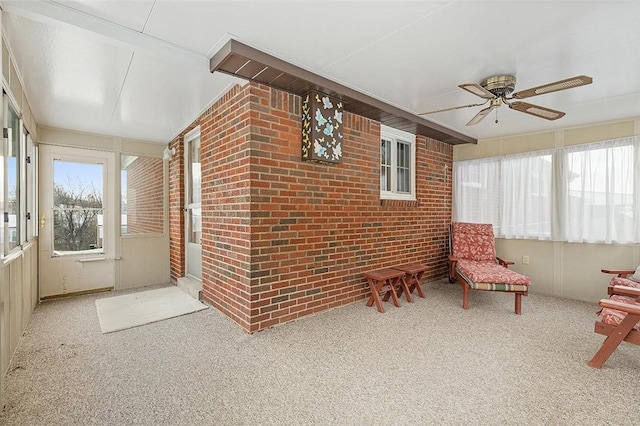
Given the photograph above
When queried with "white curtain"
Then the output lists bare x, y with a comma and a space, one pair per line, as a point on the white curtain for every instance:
526, 190
513, 193
476, 191
582, 193
599, 202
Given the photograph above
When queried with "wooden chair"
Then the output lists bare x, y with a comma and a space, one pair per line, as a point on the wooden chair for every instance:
621, 278
474, 265
619, 321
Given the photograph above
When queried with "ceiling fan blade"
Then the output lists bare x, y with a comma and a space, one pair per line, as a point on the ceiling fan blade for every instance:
481, 115
477, 90
538, 111
453, 108
556, 86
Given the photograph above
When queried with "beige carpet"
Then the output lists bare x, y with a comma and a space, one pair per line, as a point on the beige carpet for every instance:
426, 363
136, 309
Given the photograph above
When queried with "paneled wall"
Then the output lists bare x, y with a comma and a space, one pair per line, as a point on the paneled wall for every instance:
18, 298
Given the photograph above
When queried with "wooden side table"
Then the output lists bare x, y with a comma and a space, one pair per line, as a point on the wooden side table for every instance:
411, 280
383, 280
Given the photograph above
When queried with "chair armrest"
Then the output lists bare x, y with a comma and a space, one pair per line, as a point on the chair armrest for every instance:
620, 306
504, 262
623, 290
622, 273
452, 267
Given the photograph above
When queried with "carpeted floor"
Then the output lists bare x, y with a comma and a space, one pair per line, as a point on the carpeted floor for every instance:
425, 363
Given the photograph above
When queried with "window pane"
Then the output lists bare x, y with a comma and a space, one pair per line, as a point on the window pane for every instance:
476, 191
142, 195
385, 154
13, 180
195, 171
526, 191
77, 230
195, 236
403, 169
385, 165
78, 211
599, 201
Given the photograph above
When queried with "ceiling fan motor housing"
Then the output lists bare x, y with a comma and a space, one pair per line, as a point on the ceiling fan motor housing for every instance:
500, 85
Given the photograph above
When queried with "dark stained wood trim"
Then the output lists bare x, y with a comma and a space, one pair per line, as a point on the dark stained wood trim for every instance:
243, 61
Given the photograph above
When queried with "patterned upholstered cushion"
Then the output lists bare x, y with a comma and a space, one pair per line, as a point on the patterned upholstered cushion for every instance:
614, 317
624, 281
473, 241
488, 275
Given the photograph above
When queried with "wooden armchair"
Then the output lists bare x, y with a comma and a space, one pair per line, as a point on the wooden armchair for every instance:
619, 321
474, 265
621, 278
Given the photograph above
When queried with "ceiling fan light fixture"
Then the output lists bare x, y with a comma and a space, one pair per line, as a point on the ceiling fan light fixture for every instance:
500, 85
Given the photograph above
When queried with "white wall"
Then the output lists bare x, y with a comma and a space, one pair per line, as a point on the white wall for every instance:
141, 259
557, 268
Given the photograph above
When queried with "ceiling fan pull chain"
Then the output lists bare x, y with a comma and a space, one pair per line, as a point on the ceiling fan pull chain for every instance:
496, 115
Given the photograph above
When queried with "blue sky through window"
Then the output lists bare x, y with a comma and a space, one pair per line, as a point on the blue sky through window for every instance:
70, 174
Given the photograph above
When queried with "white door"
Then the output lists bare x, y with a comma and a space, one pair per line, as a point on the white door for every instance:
77, 221
193, 206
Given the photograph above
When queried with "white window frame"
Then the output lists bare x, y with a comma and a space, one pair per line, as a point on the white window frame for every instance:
19, 232
395, 136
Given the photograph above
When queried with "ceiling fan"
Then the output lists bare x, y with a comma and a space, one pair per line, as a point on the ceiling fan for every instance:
497, 89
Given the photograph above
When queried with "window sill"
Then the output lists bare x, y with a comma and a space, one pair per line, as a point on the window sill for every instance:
399, 203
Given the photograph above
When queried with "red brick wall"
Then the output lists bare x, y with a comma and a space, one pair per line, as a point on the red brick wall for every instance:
226, 220
145, 188
285, 238
176, 204
317, 227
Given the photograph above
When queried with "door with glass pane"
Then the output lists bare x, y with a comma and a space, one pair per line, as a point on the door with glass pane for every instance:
76, 221
193, 206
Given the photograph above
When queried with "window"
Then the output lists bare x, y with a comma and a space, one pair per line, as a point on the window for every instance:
598, 204
12, 188
142, 189
477, 191
513, 193
397, 164
78, 213
582, 193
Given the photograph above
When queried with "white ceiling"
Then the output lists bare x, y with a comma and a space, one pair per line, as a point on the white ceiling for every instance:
140, 68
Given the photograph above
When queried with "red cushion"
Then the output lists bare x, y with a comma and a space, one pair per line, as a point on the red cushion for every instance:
615, 317
625, 281
473, 241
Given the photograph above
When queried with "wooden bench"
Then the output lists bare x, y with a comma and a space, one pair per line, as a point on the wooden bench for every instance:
413, 275
384, 281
